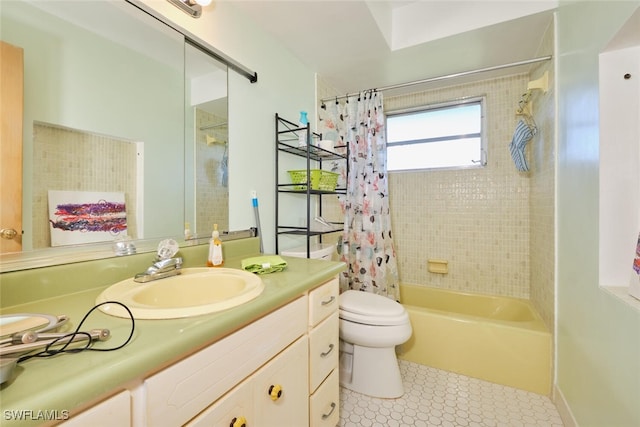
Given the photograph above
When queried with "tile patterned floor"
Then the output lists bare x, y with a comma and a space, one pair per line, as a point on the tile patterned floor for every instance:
437, 398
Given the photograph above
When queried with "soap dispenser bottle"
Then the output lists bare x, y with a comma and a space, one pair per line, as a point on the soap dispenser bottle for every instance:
302, 135
215, 249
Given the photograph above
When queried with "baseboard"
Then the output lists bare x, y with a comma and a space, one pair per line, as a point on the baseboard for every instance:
563, 408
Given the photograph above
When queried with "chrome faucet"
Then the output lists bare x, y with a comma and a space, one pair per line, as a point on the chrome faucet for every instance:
164, 265
160, 269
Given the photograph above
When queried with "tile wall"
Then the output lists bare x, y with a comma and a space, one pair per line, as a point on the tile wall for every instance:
542, 191
494, 225
475, 218
72, 160
212, 193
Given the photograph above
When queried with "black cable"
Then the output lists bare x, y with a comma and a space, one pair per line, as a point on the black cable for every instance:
49, 351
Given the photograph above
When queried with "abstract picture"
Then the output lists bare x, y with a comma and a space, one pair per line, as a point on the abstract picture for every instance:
634, 285
636, 260
85, 217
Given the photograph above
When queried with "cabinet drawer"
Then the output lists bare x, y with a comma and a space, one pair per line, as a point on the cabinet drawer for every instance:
323, 350
323, 301
178, 393
115, 411
324, 404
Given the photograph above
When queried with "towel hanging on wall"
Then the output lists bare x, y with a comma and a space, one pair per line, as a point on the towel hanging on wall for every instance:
521, 137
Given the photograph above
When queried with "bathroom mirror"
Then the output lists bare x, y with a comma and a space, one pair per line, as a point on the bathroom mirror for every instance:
118, 106
207, 144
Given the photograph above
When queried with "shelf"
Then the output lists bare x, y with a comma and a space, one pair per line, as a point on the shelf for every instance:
287, 138
315, 153
284, 188
302, 231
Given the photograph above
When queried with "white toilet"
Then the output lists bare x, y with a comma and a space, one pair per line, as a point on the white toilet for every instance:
371, 326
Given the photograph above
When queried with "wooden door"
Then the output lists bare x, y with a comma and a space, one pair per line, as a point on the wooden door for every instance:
11, 105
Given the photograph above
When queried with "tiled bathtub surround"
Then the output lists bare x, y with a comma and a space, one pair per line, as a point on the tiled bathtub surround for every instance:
494, 225
476, 218
479, 219
542, 194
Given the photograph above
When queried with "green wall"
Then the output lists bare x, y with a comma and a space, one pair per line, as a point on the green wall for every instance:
598, 335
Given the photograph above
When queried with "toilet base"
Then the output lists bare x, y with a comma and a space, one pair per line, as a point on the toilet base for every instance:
371, 371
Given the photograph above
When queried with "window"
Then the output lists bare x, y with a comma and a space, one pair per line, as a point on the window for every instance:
437, 136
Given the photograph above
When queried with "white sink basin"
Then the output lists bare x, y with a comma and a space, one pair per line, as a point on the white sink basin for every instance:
194, 292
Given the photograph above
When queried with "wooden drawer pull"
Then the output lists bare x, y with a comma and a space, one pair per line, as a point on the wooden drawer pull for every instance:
333, 408
326, 353
329, 301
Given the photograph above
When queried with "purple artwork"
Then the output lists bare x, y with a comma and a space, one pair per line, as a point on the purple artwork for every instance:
634, 285
84, 217
636, 260
100, 216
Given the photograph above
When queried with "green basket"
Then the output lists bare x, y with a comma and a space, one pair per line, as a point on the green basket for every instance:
320, 179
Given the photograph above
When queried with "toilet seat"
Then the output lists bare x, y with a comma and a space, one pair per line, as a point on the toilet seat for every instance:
371, 309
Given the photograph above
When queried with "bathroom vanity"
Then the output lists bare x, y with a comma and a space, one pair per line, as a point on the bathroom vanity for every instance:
271, 361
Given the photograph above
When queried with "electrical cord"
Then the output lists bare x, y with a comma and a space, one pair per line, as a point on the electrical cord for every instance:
49, 351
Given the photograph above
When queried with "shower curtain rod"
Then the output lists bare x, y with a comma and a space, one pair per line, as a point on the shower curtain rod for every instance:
446, 77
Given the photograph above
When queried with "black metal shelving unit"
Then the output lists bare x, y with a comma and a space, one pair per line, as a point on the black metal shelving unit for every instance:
286, 139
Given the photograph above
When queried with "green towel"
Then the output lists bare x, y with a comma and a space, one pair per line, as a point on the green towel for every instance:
264, 264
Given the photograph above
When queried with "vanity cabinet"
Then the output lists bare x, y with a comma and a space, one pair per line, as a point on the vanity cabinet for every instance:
280, 370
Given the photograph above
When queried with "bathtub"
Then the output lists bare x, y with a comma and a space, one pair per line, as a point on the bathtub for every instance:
498, 339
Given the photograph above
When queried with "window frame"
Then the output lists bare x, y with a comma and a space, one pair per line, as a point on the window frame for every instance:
480, 99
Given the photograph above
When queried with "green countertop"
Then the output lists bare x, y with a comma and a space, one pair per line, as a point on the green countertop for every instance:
68, 381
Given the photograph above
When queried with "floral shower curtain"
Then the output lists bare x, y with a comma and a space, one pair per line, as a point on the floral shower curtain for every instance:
367, 244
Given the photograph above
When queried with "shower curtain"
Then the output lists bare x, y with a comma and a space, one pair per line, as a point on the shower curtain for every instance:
366, 245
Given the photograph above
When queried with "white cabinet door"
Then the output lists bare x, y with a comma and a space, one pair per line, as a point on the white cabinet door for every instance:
280, 389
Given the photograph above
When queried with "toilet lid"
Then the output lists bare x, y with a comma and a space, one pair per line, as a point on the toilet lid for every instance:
371, 309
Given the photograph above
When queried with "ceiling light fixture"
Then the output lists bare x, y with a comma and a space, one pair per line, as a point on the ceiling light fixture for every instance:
192, 8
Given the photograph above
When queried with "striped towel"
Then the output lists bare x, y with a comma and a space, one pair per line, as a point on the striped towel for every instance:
521, 137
